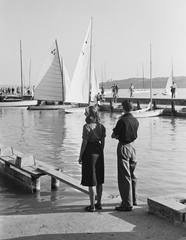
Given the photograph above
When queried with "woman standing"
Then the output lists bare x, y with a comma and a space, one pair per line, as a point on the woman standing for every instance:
92, 157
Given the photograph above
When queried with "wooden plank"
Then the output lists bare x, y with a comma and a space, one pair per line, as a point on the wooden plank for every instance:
64, 178
67, 180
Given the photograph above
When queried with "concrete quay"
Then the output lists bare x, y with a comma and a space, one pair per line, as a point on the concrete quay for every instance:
171, 207
71, 221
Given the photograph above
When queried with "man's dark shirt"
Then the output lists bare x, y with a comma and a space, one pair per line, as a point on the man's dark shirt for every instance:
126, 128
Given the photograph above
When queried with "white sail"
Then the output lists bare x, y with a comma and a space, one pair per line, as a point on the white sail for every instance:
94, 84
50, 80
66, 79
79, 91
169, 84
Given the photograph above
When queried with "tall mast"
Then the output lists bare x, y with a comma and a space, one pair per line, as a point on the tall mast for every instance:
172, 72
90, 66
150, 76
61, 70
62, 74
102, 75
105, 72
30, 73
143, 76
21, 71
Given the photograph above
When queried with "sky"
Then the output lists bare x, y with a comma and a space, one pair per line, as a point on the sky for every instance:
123, 31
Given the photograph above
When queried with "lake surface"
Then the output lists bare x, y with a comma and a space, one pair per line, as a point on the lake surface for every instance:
55, 138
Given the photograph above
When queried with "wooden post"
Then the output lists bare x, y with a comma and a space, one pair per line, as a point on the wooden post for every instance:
154, 104
111, 105
138, 104
55, 182
54, 195
173, 107
36, 184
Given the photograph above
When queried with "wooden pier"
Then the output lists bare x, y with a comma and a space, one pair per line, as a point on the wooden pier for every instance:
26, 170
171, 107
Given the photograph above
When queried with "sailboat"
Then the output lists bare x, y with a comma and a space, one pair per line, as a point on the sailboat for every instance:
148, 111
84, 85
142, 90
169, 84
53, 82
18, 101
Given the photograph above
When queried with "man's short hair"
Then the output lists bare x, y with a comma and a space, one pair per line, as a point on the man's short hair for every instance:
127, 105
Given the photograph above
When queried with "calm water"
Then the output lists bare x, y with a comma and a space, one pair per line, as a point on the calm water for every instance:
55, 138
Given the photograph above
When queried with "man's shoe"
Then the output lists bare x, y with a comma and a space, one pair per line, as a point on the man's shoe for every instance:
98, 206
123, 209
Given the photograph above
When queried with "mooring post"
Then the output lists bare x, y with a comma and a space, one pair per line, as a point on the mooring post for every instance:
55, 182
54, 195
36, 184
173, 107
138, 104
111, 105
154, 104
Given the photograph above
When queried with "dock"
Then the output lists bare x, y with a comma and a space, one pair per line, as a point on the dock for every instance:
171, 107
27, 171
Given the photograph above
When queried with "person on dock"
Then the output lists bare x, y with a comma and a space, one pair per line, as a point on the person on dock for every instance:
92, 157
131, 90
173, 90
125, 132
102, 90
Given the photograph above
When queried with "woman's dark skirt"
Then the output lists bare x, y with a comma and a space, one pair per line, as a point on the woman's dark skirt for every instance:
93, 165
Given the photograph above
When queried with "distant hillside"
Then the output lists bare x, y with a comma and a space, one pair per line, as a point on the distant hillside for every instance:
138, 83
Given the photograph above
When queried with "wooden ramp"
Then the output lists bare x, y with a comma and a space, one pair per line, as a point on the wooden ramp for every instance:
27, 164
67, 180
64, 178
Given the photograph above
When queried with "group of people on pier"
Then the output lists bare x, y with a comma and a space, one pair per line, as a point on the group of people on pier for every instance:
15, 91
115, 90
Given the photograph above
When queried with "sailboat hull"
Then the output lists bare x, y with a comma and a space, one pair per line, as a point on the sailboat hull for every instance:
22, 103
78, 110
147, 114
54, 107
49, 107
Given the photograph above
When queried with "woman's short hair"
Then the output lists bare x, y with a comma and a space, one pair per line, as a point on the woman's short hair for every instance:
92, 114
127, 105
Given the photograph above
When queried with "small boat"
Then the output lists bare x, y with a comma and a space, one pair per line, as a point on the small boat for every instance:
149, 111
169, 83
53, 82
147, 114
84, 85
181, 112
18, 101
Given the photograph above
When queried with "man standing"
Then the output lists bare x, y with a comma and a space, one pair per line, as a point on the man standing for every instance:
125, 132
131, 89
173, 90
